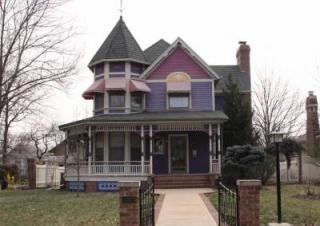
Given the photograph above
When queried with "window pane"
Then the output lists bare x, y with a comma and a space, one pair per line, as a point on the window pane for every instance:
135, 143
99, 101
99, 147
136, 68
136, 100
116, 100
117, 66
99, 69
116, 147
179, 101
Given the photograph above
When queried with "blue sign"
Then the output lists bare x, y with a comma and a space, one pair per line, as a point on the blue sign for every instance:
108, 186
75, 186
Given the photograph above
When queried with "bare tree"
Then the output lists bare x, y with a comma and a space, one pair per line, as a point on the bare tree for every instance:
18, 109
34, 56
276, 107
43, 138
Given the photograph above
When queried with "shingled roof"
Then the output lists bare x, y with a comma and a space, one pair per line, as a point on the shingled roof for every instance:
223, 71
155, 50
120, 44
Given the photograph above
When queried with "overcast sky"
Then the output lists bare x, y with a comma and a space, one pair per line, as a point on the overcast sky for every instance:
284, 37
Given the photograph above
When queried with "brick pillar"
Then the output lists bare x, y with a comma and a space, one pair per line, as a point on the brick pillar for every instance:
129, 204
249, 202
32, 175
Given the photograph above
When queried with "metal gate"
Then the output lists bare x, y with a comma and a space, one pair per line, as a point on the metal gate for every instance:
228, 205
147, 203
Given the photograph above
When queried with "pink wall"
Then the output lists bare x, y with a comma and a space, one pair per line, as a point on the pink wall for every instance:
180, 61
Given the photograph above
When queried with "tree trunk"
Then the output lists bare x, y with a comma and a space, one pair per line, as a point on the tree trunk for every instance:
300, 167
5, 135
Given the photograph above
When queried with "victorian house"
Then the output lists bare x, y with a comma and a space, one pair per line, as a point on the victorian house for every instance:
155, 112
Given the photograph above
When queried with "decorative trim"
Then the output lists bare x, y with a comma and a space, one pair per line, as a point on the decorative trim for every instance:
190, 52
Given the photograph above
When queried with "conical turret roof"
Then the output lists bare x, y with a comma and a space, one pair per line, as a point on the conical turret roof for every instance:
120, 44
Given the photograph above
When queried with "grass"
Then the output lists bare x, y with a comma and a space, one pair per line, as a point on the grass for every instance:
295, 210
42, 207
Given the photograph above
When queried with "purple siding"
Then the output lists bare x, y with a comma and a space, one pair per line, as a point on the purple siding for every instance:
156, 100
180, 61
201, 93
197, 141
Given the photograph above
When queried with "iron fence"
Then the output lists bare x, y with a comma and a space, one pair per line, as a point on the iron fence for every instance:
227, 205
147, 203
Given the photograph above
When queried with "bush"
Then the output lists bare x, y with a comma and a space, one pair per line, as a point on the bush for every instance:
8, 174
268, 168
242, 162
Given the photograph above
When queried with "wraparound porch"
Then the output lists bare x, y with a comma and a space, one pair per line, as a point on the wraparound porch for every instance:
144, 148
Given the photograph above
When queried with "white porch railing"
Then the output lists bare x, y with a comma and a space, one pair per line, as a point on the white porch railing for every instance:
216, 166
111, 168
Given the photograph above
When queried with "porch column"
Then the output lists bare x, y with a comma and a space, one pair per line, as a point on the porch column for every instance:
219, 145
90, 150
210, 148
142, 149
151, 149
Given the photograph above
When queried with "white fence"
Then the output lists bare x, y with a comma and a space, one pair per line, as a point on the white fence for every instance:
310, 171
48, 175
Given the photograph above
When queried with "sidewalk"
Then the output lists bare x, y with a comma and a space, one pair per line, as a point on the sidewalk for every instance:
184, 207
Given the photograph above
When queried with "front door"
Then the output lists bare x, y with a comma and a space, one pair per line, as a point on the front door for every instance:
178, 158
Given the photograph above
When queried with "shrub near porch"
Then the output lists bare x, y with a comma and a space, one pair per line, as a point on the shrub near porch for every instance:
41, 207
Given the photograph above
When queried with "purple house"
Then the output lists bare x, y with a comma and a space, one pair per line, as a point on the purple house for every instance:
155, 112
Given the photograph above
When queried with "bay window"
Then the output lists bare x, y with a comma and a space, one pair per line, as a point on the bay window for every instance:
116, 101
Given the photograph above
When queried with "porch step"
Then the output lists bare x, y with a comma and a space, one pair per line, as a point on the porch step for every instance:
182, 181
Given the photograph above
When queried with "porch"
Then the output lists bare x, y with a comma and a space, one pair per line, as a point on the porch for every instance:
131, 149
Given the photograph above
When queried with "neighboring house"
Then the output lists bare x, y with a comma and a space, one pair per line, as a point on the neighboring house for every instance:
57, 154
156, 112
19, 156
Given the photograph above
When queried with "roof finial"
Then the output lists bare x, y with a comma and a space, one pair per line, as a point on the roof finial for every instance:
121, 8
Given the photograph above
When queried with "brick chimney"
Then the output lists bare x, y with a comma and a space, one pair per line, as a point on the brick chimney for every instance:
243, 57
312, 123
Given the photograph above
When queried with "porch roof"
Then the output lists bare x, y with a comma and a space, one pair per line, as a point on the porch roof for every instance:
151, 118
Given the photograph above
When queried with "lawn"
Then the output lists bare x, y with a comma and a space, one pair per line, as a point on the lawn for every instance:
42, 207
297, 211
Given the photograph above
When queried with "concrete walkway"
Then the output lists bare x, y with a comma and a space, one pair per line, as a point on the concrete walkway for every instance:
183, 207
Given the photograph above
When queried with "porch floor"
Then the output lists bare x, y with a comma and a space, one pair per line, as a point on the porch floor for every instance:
183, 207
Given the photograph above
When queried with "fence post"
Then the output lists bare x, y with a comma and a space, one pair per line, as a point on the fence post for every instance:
249, 202
129, 203
32, 173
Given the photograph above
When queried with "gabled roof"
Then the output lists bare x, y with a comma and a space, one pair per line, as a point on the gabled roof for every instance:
120, 44
242, 78
190, 51
155, 50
